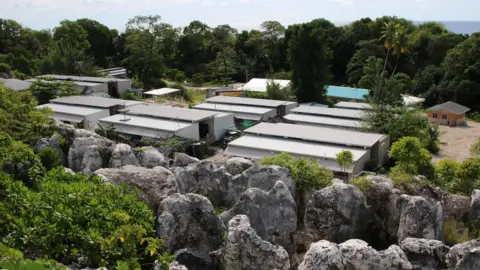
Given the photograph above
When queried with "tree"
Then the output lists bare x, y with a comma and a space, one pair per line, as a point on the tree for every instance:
468, 177
411, 157
388, 36
276, 92
310, 61
223, 44
401, 45
345, 159
100, 39
44, 91
447, 171
50, 158
356, 65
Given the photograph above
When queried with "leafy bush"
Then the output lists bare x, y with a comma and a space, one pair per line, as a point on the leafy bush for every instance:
186, 94
306, 172
11, 259
71, 216
363, 183
412, 158
50, 158
130, 95
400, 178
455, 232
275, 91
468, 177
198, 79
475, 150
252, 94
4, 68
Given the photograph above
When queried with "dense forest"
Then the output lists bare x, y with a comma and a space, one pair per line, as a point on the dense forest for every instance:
386, 55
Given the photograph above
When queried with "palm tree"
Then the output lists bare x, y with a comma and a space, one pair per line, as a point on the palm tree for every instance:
401, 45
388, 37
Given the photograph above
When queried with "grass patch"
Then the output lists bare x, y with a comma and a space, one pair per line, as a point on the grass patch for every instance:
475, 149
455, 232
363, 183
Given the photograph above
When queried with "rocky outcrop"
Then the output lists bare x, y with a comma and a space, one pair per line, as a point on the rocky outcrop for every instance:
353, 254
46, 142
245, 250
81, 143
419, 218
272, 214
425, 254
123, 155
182, 160
189, 222
92, 159
154, 184
456, 207
464, 256
150, 157
475, 205
338, 213
237, 165
177, 266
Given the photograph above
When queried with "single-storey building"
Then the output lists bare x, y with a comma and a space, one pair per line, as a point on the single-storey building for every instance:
347, 93
112, 105
448, 113
282, 107
85, 88
79, 116
115, 87
322, 121
329, 112
260, 85
15, 84
241, 113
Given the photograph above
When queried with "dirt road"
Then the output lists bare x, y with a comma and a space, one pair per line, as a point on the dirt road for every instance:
455, 142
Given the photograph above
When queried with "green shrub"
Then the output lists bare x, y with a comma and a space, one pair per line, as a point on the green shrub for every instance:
455, 232
11, 259
475, 149
401, 179
4, 68
198, 79
306, 172
50, 158
130, 95
363, 183
252, 94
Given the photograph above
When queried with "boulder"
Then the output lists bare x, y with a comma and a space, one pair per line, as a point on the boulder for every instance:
245, 250
92, 159
189, 222
154, 184
475, 205
272, 214
182, 160
150, 157
79, 146
176, 266
237, 165
464, 256
261, 177
353, 254
42, 144
123, 155
419, 218
425, 254
456, 207
338, 213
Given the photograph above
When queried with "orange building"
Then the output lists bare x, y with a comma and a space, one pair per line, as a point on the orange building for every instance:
448, 113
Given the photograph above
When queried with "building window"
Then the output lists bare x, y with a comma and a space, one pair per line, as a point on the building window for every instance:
435, 115
444, 117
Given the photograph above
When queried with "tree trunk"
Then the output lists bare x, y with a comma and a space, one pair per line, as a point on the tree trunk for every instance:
384, 68
396, 65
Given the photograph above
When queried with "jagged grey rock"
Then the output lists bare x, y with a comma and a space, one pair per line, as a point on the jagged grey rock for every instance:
419, 218
68, 170
92, 159
42, 144
272, 214
245, 250
425, 254
353, 254
154, 184
182, 160
261, 177
237, 165
177, 266
464, 256
80, 144
456, 207
189, 222
150, 157
338, 213
475, 205
122, 155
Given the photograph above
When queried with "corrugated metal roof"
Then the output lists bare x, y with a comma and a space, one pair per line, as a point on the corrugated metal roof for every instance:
146, 122
296, 147
79, 78
69, 109
162, 91
353, 105
234, 108
317, 134
90, 101
346, 92
335, 112
260, 85
321, 120
167, 112
246, 101
15, 84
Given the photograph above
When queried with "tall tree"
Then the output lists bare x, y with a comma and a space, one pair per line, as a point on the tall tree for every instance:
100, 38
223, 44
401, 45
194, 48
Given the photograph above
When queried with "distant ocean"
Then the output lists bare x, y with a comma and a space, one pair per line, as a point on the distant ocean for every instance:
461, 27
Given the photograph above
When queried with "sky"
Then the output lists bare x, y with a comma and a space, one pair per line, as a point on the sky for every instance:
241, 14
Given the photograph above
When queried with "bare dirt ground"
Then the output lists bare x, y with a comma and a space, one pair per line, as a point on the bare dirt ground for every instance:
455, 142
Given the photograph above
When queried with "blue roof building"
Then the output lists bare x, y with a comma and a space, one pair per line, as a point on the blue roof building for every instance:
346, 92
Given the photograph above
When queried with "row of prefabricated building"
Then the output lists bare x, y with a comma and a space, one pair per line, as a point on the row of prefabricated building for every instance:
302, 131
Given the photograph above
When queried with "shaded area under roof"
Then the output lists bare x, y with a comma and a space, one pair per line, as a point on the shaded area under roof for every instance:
167, 112
68, 109
321, 120
246, 101
334, 112
15, 84
90, 101
317, 134
161, 91
451, 107
240, 112
346, 92
353, 105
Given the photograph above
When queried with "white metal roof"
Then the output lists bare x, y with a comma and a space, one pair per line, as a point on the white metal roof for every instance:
167, 112
316, 134
234, 108
295, 147
322, 120
335, 112
146, 122
15, 84
90, 101
260, 85
353, 105
246, 101
162, 91
69, 109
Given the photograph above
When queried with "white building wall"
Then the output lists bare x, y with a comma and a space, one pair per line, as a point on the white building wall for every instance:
123, 86
102, 88
360, 163
220, 124
92, 120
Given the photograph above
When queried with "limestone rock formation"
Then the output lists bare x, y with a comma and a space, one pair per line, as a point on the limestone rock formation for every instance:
154, 184
150, 157
456, 207
92, 159
123, 155
353, 254
237, 165
176, 266
338, 213
475, 205
464, 256
182, 160
419, 218
272, 214
425, 254
81, 143
189, 222
245, 250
